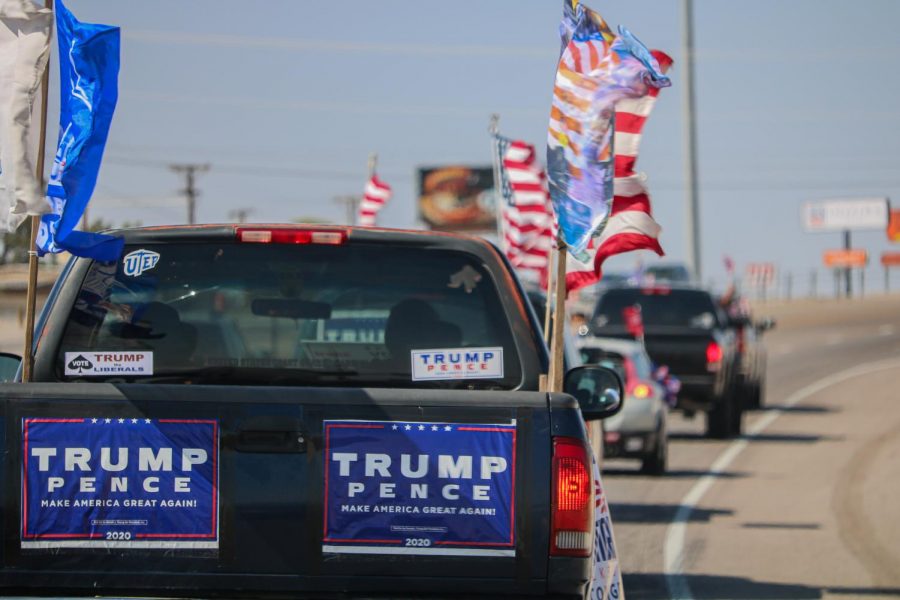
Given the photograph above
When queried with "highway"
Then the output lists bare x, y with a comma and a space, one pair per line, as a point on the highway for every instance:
805, 504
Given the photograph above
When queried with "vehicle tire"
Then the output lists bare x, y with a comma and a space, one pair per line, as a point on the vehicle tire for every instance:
755, 399
719, 419
656, 462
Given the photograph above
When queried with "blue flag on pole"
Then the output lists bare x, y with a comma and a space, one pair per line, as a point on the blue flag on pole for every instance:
88, 74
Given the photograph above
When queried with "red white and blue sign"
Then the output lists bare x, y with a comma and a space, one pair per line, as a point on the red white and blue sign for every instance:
123, 482
404, 487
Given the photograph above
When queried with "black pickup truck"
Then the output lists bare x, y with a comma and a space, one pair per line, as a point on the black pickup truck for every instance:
685, 329
286, 411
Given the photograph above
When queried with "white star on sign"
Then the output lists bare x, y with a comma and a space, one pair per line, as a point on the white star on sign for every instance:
448, 428
146, 420
93, 420
408, 427
434, 427
421, 428
134, 420
394, 428
107, 420
121, 420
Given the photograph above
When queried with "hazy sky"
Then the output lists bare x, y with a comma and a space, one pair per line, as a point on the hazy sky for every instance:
286, 99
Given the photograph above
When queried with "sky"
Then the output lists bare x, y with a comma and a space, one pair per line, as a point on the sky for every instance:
286, 99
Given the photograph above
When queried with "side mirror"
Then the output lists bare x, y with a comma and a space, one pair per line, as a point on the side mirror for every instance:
597, 389
766, 324
9, 365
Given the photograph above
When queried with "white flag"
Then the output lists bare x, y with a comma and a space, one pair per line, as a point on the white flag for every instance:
24, 50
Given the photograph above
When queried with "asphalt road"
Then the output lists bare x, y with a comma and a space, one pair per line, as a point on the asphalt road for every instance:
806, 504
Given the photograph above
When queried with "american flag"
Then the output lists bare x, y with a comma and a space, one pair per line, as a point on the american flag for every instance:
376, 194
631, 225
528, 223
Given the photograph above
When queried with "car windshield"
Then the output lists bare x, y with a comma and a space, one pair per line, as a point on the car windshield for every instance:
294, 314
659, 307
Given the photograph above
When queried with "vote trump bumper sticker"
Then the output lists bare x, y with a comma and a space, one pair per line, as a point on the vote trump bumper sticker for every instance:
397, 487
457, 363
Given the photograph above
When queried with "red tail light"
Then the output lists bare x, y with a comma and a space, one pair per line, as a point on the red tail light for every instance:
641, 390
572, 531
713, 356
290, 236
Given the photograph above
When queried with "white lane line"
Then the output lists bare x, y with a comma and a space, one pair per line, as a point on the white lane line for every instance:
673, 549
886, 330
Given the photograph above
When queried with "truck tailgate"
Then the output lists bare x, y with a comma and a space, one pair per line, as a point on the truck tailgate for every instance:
262, 518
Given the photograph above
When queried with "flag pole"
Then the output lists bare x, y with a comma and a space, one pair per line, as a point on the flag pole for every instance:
555, 378
31, 295
494, 130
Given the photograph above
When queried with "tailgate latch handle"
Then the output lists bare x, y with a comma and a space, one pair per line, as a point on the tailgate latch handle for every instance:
271, 442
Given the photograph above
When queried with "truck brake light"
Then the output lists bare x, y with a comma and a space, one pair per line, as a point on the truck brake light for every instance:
290, 236
713, 356
572, 520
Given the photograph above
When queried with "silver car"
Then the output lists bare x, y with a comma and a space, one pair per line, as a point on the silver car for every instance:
639, 430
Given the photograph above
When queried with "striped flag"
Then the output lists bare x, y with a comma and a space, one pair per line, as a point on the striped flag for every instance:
631, 225
375, 196
528, 224
597, 70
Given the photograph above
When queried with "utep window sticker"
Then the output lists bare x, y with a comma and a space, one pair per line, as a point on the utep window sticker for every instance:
457, 363
405, 487
104, 364
120, 483
135, 263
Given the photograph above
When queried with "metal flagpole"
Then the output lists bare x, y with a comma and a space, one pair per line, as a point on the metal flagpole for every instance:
555, 378
494, 130
31, 296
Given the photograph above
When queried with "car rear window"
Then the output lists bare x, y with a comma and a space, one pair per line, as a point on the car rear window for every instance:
659, 307
290, 314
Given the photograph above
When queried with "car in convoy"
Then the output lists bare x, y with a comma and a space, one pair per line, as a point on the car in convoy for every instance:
640, 429
751, 349
299, 411
687, 330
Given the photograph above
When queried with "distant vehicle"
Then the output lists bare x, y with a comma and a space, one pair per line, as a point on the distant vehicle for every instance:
640, 430
686, 329
750, 347
668, 272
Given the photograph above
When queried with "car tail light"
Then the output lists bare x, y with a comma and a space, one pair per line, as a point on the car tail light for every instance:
641, 390
713, 356
290, 236
572, 532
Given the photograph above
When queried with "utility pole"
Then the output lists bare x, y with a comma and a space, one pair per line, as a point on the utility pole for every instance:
240, 214
692, 209
190, 192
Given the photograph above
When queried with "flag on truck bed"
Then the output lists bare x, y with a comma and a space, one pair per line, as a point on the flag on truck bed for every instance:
631, 225
375, 196
527, 217
24, 50
597, 69
88, 73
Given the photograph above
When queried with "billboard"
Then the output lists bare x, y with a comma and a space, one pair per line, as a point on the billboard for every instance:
846, 214
893, 228
457, 198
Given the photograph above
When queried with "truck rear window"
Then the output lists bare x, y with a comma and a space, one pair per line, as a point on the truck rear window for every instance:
353, 314
661, 307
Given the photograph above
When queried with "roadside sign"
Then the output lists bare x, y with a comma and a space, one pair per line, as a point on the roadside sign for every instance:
890, 259
849, 214
845, 259
760, 274
893, 228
